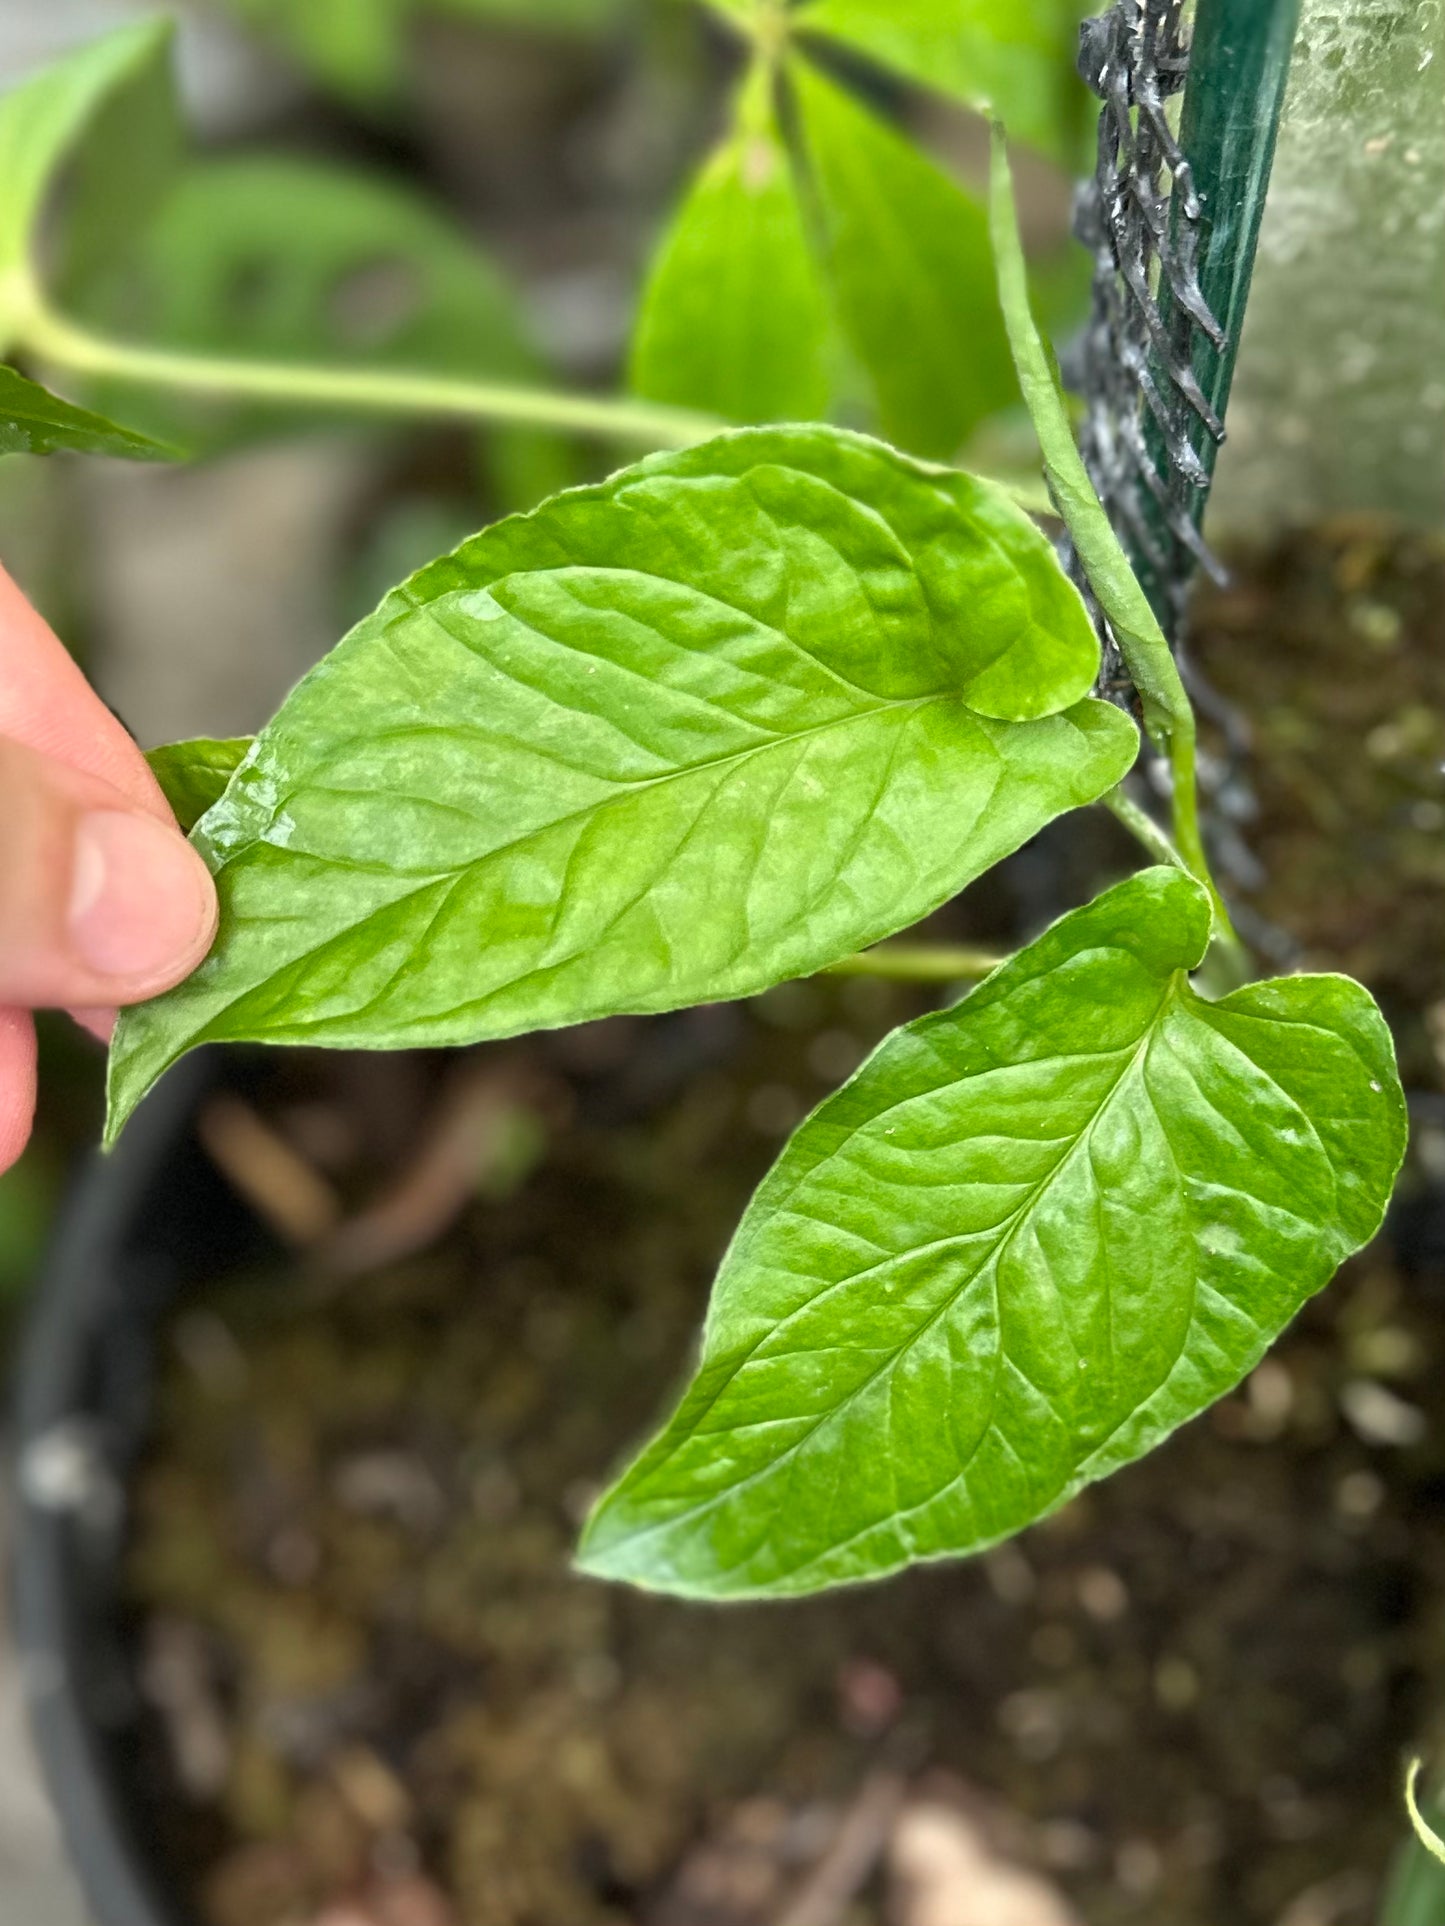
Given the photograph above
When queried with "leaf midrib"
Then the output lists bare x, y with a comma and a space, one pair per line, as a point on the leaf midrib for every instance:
624, 789
1014, 1225
1179, 997
450, 876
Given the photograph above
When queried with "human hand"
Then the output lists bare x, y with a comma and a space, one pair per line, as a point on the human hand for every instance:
102, 900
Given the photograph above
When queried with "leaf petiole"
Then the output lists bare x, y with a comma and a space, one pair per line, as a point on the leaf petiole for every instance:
65, 344
1168, 712
920, 963
1143, 828
52, 337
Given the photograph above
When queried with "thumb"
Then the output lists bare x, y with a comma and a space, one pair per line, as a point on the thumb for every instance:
100, 902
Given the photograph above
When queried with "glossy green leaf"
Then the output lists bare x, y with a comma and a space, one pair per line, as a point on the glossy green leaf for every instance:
714, 723
35, 422
193, 775
41, 121
1033, 1235
277, 258
1014, 56
735, 320
913, 272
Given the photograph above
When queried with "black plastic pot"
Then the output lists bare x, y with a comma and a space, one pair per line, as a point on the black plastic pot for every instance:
139, 1225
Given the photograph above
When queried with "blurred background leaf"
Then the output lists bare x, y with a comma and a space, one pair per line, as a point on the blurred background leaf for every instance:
1016, 56
45, 118
911, 263
735, 318
358, 48
281, 258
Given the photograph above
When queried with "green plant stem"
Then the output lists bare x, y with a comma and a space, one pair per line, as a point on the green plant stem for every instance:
374, 391
53, 338
1168, 712
1143, 828
64, 343
920, 963
767, 24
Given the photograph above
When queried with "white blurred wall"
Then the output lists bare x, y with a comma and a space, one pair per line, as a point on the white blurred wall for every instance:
1340, 403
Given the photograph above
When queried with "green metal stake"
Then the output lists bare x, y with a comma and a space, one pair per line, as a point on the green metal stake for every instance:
1238, 69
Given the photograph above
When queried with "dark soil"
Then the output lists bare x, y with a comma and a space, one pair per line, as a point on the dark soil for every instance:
382, 1699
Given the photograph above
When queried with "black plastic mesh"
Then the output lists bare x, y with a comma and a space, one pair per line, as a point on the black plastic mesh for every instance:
1139, 218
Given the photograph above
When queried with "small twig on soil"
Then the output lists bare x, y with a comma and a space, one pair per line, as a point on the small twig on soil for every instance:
850, 1861
945, 1870
177, 1679
464, 1152
286, 1191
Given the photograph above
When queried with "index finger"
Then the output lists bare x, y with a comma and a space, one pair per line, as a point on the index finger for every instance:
47, 704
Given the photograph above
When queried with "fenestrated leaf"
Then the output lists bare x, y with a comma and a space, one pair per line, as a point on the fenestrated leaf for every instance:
40, 122
714, 723
1014, 56
193, 775
35, 422
1033, 1235
913, 272
735, 319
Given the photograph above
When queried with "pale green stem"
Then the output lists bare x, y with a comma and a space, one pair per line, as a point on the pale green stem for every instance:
1143, 828
368, 390
769, 27
920, 963
1424, 1831
64, 343
1029, 493
1168, 712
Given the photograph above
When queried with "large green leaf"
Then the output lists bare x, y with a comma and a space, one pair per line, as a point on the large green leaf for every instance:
41, 122
35, 422
1013, 56
1032, 1236
193, 775
735, 319
285, 259
716, 722
913, 271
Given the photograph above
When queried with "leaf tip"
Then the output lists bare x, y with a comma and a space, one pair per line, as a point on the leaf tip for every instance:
621, 1543
123, 1088
603, 1550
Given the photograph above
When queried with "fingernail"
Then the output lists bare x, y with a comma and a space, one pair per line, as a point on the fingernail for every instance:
141, 902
